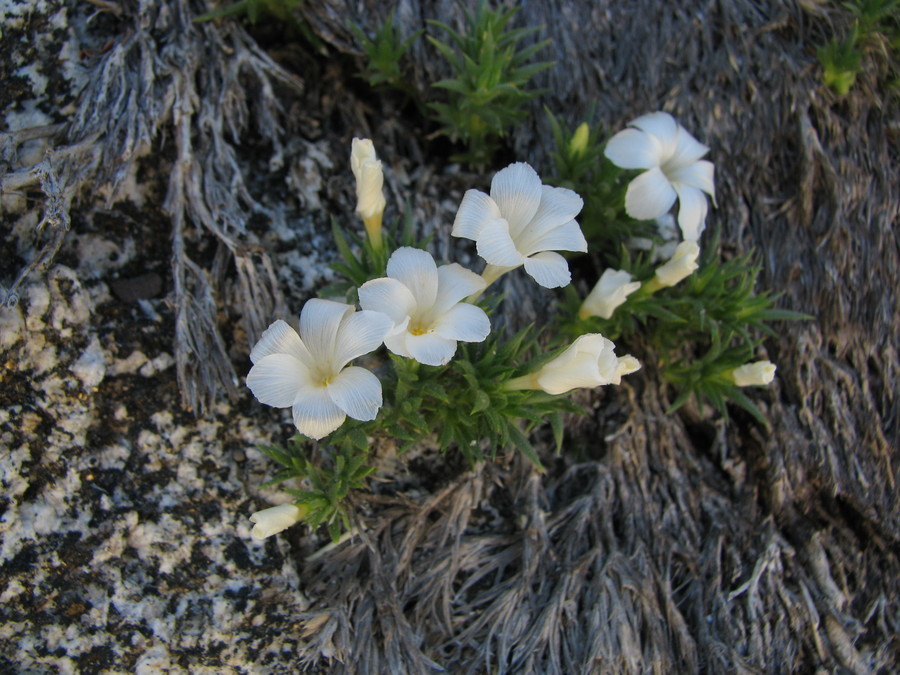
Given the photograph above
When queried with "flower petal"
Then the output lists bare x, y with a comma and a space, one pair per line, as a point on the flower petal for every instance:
549, 269
692, 208
430, 348
320, 322
455, 283
633, 149
464, 322
699, 175
387, 296
649, 195
315, 414
396, 343
361, 333
566, 237
276, 378
495, 245
558, 206
660, 124
357, 392
687, 149
280, 338
517, 192
416, 270
475, 210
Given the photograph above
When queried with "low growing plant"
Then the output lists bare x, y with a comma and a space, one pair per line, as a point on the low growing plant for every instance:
434, 368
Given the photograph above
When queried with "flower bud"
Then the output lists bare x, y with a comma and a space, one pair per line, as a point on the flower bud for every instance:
578, 144
757, 374
370, 201
682, 264
590, 361
611, 291
274, 520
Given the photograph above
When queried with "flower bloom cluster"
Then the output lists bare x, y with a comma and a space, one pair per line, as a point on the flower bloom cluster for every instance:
421, 311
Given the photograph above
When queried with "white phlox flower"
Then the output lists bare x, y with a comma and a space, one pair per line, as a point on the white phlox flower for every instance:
523, 222
681, 266
424, 303
369, 176
611, 290
274, 520
590, 361
308, 372
756, 374
675, 170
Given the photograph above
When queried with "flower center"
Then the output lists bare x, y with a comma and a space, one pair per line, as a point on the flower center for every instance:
325, 381
418, 330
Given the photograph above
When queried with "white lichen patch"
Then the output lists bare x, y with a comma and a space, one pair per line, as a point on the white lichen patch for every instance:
90, 367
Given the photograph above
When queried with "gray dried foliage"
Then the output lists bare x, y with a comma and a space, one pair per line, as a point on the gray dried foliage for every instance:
208, 87
689, 546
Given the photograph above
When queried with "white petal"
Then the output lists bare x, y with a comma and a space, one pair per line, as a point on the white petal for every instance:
357, 392
549, 269
280, 338
430, 348
475, 210
315, 414
687, 149
699, 175
320, 321
275, 379
464, 322
558, 206
455, 283
416, 270
649, 195
633, 149
360, 333
396, 343
661, 125
517, 192
495, 245
566, 237
692, 209
388, 296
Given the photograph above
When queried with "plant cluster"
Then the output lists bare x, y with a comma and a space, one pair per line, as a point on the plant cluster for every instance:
874, 30
486, 94
434, 368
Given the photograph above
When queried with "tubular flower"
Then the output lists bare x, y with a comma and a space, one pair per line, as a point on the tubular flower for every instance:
424, 303
674, 171
681, 266
611, 290
307, 372
274, 520
757, 374
369, 176
590, 361
522, 222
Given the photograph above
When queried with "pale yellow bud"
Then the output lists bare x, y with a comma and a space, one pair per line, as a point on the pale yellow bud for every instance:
681, 266
369, 176
578, 144
757, 374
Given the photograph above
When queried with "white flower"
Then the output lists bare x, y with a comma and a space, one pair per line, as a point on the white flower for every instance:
366, 168
611, 290
590, 361
521, 223
757, 374
307, 373
274, 520
424, 303
681, 266
675, 170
